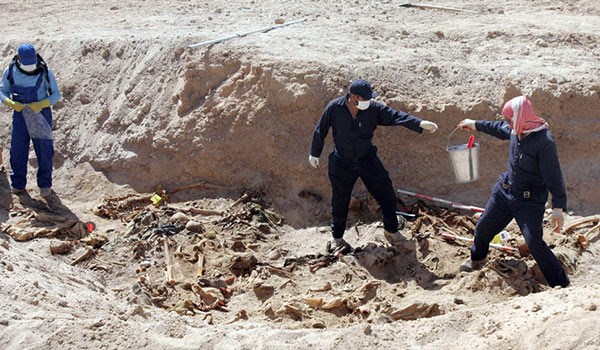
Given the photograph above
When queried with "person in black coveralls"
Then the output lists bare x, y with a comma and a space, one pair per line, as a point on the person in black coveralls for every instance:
353, 119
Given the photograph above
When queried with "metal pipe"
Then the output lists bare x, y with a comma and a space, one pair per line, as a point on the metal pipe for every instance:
232, 36
406, 215
447, 202
434, 7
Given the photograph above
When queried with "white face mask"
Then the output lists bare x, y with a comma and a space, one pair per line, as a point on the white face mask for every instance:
28, 67
362, 105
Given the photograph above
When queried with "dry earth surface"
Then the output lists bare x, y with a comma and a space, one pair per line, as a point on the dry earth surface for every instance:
142, 113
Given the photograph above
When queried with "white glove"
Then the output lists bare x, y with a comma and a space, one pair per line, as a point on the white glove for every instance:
467, 124
557, 219
314, 161
427, 125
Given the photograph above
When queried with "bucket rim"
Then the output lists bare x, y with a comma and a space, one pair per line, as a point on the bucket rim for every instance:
450, 135
451, 148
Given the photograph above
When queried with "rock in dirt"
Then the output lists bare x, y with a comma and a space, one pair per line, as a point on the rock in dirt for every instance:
179, 218
319, 325
274, 254
263, 291
195, 227
60, 248
416, 311
243, 264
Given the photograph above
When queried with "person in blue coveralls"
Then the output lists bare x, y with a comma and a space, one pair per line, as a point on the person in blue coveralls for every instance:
353, 119
29, 88
522, 191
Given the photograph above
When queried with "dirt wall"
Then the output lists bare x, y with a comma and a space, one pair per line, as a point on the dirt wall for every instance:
146, 114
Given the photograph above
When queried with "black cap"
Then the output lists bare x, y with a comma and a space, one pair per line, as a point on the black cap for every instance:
363, 89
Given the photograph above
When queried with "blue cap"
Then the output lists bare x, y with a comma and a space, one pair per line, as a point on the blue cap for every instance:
363, 89
27, 54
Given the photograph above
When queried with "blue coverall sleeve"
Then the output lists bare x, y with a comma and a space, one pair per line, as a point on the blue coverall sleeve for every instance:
499, 129
5, 91
551, 173
390, 116
55, 96
320, 133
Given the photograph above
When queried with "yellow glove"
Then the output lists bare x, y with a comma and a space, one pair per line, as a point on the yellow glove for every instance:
17, 106
39, 105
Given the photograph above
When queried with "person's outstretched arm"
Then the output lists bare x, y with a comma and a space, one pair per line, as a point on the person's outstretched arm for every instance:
390, 116
499, 129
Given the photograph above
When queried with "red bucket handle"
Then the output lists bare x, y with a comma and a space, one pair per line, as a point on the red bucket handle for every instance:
471, 141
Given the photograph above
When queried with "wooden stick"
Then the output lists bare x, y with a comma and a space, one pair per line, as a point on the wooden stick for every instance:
356, 229
200, 267
241, 199
594, 218
83, 256
434, 7
168, 262
205, 211
196, 210
178, 270
587, 234
111, 262
286, 283
200, 184
278, 271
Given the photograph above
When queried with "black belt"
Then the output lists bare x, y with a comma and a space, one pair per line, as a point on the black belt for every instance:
526, 194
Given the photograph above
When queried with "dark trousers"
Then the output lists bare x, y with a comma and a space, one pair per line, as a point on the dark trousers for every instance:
343, 176
500, 209
19, 153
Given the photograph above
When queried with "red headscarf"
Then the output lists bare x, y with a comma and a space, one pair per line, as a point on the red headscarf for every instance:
521, 117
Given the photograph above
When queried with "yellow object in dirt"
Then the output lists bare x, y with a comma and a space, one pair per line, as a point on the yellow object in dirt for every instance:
501, 237
156, 199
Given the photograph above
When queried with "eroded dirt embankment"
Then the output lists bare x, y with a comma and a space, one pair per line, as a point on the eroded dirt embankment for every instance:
146, 114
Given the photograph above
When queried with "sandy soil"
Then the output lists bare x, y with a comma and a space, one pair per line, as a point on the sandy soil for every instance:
141, 112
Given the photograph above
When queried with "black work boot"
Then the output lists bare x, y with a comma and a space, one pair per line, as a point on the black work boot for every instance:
395, 237
392, 237
339, 245
472, 265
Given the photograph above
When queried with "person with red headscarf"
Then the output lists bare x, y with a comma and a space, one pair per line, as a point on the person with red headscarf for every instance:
522, 191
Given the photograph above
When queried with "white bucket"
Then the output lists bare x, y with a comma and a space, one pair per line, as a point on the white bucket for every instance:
464, 160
